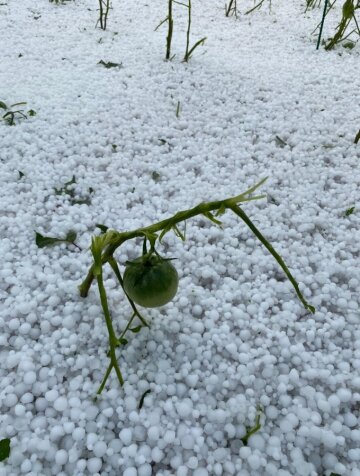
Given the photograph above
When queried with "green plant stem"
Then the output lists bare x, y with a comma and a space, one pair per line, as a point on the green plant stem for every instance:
104, 380
107, 7
240, 213
101, 14
322, 24
115, 268
111, 365
231, 8
170, 30
339, 34
111, 332
186, 57
259, 5
251, 431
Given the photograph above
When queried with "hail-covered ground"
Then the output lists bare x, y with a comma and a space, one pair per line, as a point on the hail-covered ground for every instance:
139, 142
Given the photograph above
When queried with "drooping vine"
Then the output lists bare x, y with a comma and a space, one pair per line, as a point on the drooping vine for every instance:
104, 246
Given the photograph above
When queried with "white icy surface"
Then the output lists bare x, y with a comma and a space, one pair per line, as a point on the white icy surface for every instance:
235, 338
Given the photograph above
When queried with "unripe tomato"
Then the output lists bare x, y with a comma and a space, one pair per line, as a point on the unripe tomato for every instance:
150, 281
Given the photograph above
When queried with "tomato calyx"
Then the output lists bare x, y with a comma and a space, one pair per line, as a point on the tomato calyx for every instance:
149, 259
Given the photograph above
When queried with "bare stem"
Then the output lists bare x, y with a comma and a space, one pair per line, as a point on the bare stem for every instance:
111, 332
170, 30
116, 239
240, 213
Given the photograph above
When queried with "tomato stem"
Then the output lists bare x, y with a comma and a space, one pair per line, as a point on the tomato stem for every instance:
117, 238
115, 267
96, 251
104, 246
240, 213
112, 336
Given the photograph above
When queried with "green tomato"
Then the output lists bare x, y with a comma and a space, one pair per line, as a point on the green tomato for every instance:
150, 281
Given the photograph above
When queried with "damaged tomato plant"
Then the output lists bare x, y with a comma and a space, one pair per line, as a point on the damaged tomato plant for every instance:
151, 280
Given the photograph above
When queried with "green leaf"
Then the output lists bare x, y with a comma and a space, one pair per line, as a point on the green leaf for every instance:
141, 402
21, 174
198, 43
96, 248
32, 113
163, 233
3, 105
109, 64
103, 228
280, 141
136, 329
123, 341
251, 430
43, 241
4, 449
156, 176
71, 236
349, 211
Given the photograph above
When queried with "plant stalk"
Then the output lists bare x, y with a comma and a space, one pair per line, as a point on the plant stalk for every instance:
170, 30
111, 332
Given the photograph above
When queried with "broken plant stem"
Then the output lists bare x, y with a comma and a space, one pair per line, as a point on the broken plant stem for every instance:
111, 332
115, 267
111, 365
114, 239
322, 24
240, 213
104, 246
170, 30
231, 9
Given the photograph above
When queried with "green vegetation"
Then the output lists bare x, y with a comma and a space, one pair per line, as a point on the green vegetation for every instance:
251, 430
348, 18
104, 7
11, 116
347, 27
68, 190
104, 246
4, 449
43, 241
170, 21
231, 9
